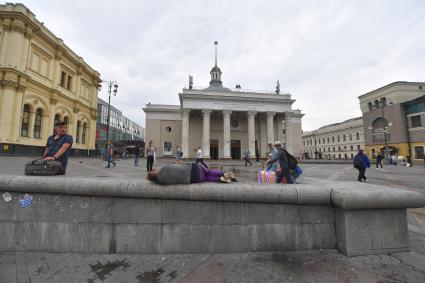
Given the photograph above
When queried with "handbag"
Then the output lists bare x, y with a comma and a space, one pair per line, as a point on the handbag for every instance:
42, 167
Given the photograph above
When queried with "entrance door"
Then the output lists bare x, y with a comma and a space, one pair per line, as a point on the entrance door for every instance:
235, 148
214, 149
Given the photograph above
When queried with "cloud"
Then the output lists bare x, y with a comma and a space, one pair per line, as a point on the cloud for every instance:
325, 53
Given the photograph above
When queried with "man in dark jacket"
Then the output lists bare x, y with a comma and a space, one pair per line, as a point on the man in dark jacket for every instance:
361, 162
379, 161
58, 146
136, 155
282, 159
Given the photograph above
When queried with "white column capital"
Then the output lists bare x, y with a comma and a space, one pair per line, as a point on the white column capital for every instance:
251, 114
270, 114
206, 112
227, 113
185, 111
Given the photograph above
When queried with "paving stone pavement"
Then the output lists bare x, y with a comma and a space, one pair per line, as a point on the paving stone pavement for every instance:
291, 266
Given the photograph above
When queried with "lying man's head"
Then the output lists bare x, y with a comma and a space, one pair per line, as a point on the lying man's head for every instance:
152, 175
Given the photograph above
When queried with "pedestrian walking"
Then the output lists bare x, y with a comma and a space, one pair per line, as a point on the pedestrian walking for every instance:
409, 161
179, 155
247, 157
136, 155
199, 157
150, 153
58, 146
257, 156
379, 162
280, 163
394, 159
361, 163
110, 154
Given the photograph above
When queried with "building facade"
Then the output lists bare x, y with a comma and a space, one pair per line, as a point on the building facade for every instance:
122, 131
335, 141
42, 80
392, 119
415, 117
223, 122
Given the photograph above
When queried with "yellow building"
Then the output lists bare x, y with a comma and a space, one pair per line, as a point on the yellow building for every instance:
42, 80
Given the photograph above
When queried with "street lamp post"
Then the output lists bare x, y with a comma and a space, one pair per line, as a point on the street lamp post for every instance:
110, 85
385, 127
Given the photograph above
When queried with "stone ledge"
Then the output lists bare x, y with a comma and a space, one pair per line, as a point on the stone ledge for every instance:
355, 196
234, 192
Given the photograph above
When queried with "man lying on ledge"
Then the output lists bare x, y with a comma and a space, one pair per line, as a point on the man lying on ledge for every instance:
188, 173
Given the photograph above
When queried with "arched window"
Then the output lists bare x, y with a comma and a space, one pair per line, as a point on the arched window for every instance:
37, 123
380, 130
77, 135
25, 121
65, 119
57, 118
83, 137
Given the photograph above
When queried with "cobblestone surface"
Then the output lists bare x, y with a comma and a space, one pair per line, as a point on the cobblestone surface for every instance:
295, 266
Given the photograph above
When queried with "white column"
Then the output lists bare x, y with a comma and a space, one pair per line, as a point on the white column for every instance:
226, 133
263, 136
206, 133
270, 128
289, 137
251, 132
185, 132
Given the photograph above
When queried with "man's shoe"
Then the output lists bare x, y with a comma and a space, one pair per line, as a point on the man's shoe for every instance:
229, 175
107, 166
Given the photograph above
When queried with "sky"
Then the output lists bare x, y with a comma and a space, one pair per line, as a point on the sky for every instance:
324, 53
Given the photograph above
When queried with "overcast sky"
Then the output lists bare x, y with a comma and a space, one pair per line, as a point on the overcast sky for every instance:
325, 53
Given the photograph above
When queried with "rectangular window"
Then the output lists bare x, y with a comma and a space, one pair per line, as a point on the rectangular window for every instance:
333, 138
68, 83
168, 148
416, 121
419, 152
369, 105
63, 79
357, 136
351, 147
327, 139
358, 147
338, 139
343, 137
351, 137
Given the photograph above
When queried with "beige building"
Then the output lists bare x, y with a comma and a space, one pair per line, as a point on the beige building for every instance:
223, 122
335, 141
393, 118
42, 80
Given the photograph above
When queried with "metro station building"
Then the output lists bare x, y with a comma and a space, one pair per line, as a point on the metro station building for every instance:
223, 122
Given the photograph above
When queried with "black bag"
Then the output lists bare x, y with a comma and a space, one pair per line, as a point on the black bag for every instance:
181, 153
42, 167
358, 162
292, 161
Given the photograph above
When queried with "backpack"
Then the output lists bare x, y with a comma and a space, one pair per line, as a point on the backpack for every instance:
358, 162
292, 161
181, 153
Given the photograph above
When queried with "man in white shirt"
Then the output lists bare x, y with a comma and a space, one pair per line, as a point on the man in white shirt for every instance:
199, 157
